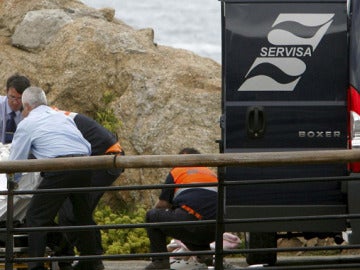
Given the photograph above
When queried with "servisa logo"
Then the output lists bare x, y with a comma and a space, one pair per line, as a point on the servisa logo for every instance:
287, 52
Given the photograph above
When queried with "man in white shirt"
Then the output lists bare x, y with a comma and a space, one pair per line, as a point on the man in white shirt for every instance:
46, 133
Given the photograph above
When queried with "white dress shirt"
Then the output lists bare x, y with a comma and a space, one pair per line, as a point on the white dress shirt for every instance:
46, 133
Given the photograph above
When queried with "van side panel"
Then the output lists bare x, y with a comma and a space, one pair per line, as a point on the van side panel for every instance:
285, 79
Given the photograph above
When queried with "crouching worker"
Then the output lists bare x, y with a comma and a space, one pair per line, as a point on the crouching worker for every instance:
103, 142
184, 204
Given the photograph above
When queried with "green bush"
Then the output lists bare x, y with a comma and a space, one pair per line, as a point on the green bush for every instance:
122, 241
108, 119
106, 115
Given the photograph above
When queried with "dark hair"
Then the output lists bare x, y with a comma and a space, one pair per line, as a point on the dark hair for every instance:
189, 151
18, 82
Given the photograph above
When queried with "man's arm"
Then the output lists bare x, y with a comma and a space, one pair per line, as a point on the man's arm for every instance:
163, 204
2, 118
20, 146
167, 194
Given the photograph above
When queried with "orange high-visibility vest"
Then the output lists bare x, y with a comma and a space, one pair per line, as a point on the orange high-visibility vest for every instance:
192, 175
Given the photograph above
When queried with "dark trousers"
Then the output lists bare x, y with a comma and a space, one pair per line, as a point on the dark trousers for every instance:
43, 209
100, 178
195, 237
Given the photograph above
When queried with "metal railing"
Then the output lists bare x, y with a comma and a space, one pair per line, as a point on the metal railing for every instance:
167, 161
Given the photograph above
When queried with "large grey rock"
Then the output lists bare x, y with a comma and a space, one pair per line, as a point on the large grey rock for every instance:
38, 28
166, 98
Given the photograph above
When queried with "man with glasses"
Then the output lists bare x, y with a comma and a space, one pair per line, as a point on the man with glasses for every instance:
11, 106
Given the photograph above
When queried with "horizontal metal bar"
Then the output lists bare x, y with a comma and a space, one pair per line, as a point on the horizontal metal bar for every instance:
291, 218
164, 161
108, 227
172, 224
110, 188
292, 180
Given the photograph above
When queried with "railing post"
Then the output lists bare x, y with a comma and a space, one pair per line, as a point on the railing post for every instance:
9, 248
219, 255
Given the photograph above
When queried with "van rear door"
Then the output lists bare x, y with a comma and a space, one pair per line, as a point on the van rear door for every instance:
285, 77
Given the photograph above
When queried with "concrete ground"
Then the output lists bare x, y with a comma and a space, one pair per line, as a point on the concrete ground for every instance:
140, 265
287, 262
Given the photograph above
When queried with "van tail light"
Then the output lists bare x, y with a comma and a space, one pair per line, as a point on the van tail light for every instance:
354, 124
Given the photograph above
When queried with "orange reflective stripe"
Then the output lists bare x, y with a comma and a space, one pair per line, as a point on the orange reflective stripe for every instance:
191, 211
57, 109
115, 148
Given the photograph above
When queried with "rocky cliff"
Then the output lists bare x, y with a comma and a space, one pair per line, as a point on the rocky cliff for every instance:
88, 61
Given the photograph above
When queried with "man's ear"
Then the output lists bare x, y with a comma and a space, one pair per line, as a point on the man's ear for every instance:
26, 109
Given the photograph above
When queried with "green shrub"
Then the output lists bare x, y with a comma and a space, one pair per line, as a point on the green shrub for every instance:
105, 115
122, 241
107, 118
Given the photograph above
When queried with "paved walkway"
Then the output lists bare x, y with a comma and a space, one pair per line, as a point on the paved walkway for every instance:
239, 263
140, 264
